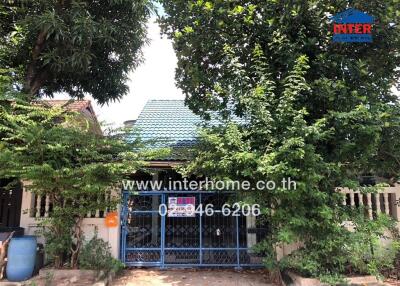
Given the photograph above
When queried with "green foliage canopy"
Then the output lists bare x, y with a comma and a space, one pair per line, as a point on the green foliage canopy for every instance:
78, 170
202, 31
73, 46
227, 48
320, 112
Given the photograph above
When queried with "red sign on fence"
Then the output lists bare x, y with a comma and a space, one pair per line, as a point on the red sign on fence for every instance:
181, 206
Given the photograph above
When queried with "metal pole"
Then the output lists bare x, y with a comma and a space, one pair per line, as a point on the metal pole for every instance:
200, 233
237, 242
163, 234
123, 226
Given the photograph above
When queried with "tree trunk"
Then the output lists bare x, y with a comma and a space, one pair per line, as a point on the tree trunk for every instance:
35, 78
58, 261
75, 249
3, 254
59, 258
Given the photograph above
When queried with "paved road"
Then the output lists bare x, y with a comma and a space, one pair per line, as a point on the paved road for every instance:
189, 277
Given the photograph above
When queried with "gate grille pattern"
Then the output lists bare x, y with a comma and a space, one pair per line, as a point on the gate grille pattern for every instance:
149, 239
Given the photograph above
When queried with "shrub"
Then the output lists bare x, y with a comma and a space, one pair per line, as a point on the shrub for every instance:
357, 251
58, 236
96, 255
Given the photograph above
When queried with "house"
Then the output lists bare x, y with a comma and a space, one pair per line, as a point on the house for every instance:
153, 234
21, 208
84, 109
157, 225
10, 200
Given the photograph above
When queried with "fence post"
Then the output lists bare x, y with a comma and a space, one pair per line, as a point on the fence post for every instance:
27, 210
396, 202
155, 202
114, 233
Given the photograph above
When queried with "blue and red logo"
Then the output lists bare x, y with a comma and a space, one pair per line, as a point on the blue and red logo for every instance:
352, 26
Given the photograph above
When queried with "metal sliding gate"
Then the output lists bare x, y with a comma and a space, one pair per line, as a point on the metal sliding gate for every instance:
150, 237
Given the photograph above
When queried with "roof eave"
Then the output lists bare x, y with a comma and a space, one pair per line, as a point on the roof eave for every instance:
165, 164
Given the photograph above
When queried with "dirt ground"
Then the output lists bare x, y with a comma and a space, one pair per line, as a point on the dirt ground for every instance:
59, 277
191, 277
392, 282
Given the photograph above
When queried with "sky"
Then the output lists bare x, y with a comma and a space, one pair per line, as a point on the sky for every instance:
153, 79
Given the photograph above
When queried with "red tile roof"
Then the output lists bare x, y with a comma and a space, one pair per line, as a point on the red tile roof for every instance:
72, 105
84, 107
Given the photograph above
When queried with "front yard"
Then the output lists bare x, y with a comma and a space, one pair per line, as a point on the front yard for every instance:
147, 277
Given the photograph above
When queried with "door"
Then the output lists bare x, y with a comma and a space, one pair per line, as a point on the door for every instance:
219, 233
10, 203
142, 227
182, 230
172, 229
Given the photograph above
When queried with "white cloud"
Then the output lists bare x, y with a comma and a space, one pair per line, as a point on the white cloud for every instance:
154, 79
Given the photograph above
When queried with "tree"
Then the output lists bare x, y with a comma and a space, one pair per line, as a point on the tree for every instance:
73, 46
319, 112
77, 169
284, 30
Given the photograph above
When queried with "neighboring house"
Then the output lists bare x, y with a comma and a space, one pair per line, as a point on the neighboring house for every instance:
21, 208
86, 114
10, 200
146, 238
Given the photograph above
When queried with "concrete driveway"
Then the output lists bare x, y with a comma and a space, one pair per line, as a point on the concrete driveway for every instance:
192, 277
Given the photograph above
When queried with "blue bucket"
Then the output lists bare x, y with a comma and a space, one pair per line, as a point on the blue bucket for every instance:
21, 258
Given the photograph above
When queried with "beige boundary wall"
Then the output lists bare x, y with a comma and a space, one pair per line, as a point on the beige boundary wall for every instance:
382, 202
385, 201
30, 217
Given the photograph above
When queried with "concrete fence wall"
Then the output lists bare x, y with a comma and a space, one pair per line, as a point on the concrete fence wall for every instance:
385, 201
36, 208
32, 213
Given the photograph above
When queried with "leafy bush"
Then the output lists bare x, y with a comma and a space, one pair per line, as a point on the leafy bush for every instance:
381, 260
96, 255
356, 251
75, 169
58, 236
325, 259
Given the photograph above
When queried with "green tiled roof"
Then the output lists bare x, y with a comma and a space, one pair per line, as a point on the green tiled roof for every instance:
167, 123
